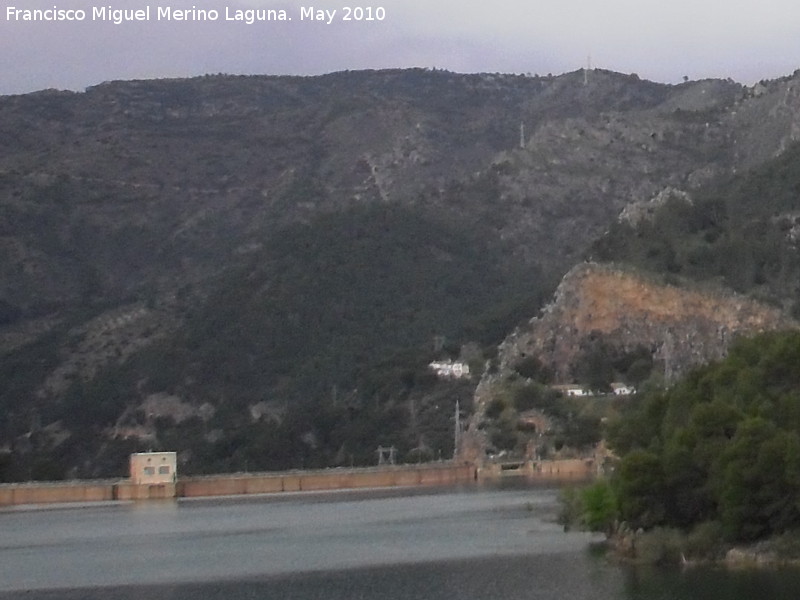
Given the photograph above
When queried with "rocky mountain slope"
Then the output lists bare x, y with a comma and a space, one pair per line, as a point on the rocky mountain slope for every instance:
606, 325
622, 312
275, 258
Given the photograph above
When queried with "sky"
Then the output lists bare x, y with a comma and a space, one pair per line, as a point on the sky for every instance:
663, 40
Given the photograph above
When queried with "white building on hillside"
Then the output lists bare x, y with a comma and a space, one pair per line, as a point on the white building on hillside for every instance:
572, 389
450, 369
622, 389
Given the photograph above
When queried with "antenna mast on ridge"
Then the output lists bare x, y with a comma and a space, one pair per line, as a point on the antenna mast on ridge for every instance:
587, 69
457, 441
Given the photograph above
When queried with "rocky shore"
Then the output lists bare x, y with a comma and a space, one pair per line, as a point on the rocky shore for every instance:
701, 546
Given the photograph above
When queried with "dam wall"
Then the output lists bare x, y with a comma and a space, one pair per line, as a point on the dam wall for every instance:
557, 471
50, 492
440, 474
330, 479
235, 484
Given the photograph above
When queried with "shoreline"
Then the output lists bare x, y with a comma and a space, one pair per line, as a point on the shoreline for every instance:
667, 547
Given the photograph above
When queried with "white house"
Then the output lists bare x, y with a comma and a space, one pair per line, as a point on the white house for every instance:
450, 369
622, 389
572, 389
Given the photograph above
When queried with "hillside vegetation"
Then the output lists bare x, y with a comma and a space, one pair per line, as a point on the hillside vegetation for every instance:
742, 233
310, 350
724, 444
717, 456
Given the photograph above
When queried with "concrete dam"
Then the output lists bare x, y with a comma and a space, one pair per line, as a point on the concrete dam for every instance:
439, 474
14, 494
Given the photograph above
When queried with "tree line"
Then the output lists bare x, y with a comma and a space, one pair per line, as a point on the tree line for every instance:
719, 450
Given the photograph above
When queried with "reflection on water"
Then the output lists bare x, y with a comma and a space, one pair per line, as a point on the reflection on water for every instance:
711, 583
513, 578
458, 543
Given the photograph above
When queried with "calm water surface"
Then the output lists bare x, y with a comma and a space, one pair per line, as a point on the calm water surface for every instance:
463, 544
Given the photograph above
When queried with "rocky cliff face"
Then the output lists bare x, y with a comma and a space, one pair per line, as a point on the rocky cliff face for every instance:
624, 311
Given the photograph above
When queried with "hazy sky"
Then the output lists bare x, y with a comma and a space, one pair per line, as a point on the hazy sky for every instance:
660, 40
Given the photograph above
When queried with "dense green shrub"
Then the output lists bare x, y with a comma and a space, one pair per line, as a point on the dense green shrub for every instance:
739, 233
722, 446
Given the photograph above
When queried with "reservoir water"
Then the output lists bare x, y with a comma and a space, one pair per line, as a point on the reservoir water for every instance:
464, 544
